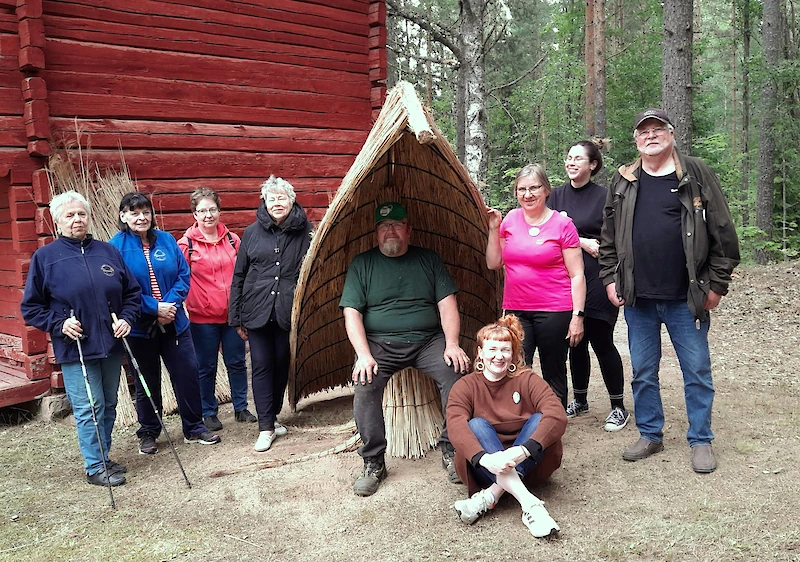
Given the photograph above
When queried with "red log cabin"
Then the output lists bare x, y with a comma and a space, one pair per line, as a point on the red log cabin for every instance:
220, 93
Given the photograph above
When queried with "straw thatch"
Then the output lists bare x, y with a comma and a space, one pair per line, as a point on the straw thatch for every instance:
405, 159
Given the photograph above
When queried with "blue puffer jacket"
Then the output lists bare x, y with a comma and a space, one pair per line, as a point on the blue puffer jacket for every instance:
171, 271
88, 277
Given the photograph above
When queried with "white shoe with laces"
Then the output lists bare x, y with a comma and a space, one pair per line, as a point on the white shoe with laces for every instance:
471, 509
264, 441
538, 520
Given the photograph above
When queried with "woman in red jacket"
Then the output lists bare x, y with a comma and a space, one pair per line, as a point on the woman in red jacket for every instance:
210, 249
506, 425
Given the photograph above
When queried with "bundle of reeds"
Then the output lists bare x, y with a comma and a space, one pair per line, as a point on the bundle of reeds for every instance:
406, 159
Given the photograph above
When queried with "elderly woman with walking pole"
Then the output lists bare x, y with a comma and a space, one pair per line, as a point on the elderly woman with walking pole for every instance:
86, 340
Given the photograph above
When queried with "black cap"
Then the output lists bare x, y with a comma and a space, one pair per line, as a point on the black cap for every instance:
652, 113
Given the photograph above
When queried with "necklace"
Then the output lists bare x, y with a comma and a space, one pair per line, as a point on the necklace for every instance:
535, 230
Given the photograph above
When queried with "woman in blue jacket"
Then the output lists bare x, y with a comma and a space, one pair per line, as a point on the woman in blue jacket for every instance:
162, 331
99, 284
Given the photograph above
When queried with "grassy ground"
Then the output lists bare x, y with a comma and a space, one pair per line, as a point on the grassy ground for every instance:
653, 510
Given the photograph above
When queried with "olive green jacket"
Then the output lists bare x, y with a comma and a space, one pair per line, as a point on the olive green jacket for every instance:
709, 235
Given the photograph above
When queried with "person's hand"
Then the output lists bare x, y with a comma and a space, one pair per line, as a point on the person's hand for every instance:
120, 328
575, 332
72, 328
242, 331
166, 313
498, 463
455, 357
495, 218
712, 300
590, 246
611, 292
364, 369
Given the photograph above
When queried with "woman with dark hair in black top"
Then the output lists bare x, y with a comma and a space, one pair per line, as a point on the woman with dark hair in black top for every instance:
582, 200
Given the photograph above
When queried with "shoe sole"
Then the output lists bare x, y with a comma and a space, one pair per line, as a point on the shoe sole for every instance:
614, 428
572, 417
153, 452
201, 441
642, 457
113, 484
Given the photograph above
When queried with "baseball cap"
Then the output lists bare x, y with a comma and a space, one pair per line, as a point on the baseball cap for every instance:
652, 113
390, 211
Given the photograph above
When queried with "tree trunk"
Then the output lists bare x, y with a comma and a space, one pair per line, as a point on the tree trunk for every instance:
476, 140
589, 54
744, 189
676, 81
766, 138
600, 68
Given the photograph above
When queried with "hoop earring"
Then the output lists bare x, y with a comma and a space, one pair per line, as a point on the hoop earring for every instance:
479, 365
512, 368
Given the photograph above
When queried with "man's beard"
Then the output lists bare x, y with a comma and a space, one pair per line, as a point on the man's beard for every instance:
392, 248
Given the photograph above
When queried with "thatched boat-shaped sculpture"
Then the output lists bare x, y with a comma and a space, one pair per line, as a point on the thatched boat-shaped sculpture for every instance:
405, 158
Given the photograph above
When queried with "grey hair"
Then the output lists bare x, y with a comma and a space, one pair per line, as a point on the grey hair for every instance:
61, 200
277, 185
537, 171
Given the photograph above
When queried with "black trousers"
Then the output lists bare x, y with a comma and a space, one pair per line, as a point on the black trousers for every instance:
269, 354
600, 334
391, 357
547, 332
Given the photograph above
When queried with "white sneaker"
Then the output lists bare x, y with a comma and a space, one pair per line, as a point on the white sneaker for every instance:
471, 509
538, 521
280, 430
264, 441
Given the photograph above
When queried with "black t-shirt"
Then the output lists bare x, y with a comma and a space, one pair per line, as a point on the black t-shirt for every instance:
584, 206
659, 262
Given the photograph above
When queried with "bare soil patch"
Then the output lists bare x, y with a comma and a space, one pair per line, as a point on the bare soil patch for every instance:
652, 510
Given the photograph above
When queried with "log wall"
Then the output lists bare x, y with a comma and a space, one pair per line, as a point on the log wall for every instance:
217, 93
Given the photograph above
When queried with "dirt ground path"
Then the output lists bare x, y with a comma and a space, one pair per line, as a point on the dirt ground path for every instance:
654, 510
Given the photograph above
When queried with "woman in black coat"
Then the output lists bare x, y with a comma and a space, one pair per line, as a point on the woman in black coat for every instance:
262, 293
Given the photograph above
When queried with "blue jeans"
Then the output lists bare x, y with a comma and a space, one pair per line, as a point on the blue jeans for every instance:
207, 339
104, 375
487, 437
691, 345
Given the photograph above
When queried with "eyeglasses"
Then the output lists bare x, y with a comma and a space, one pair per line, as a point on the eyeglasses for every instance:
387, 226
651, 131
211, 211
576, 160
529, 190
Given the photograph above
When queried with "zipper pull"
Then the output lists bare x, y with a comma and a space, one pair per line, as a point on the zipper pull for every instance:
697, 323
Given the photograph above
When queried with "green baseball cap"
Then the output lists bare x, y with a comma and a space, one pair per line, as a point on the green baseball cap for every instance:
391, 211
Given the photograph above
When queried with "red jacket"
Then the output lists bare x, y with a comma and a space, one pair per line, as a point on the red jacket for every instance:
211, 265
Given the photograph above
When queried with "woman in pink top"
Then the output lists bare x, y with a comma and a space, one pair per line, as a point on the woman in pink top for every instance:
210, 249
545, 287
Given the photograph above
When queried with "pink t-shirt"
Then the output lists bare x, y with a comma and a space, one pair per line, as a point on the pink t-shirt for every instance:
536, 277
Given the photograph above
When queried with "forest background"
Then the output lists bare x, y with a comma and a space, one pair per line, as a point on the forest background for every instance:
517, 81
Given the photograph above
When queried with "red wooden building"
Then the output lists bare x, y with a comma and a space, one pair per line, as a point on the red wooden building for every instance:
219, 93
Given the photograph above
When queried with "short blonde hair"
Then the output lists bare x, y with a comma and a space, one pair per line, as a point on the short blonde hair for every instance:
537, 171
277, 185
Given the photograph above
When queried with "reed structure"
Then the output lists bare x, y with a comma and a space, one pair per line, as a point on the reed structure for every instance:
406, 159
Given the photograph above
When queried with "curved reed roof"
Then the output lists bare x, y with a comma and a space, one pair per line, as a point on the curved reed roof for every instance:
407, 159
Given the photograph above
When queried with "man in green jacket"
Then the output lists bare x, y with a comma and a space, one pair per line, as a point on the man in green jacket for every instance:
666, 214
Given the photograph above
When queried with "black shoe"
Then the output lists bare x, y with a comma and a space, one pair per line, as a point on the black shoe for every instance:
100, 478
370, 479
244, 416
449, 463
212, 423
205, 438
147, 445
115, 467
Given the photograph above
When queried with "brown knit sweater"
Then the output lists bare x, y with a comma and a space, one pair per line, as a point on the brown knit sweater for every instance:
473, 396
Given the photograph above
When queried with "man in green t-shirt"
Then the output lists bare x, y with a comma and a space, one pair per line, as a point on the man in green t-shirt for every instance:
400, 311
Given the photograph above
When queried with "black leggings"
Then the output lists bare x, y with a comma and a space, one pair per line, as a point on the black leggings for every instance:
601, 335
269, 353
547, 331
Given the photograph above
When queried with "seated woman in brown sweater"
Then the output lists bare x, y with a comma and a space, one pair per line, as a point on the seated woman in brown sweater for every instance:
506, 425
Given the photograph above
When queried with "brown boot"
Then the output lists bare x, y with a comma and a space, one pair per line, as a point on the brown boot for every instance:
703, 460
642, 449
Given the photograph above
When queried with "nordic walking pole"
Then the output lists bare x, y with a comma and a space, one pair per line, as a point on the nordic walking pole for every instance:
94, 415
152, 403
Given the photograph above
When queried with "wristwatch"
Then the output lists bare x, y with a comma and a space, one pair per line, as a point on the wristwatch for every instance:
578, 313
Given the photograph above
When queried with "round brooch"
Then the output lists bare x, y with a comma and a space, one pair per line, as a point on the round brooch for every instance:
515, 397
534, 231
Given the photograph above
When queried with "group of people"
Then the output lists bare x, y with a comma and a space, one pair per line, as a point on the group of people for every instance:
568, 255
89, 294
